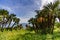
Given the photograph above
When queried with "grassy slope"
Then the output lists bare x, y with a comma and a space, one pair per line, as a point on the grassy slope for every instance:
26, 35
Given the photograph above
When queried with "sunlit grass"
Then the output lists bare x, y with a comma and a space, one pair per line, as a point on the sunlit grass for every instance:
28, 35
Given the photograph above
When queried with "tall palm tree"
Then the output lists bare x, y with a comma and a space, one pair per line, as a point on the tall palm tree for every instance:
4, 14
16, 21
10, 18
52, 13
41, 20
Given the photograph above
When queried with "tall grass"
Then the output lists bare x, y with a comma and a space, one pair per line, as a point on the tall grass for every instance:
28, 35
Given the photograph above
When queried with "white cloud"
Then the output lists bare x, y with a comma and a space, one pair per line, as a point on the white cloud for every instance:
24, 20
41, 3
30, 14
46, 2
6, 8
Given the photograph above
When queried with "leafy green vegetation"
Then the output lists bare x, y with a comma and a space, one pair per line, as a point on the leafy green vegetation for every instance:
28, 35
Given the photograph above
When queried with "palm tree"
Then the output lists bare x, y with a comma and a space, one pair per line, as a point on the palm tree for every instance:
49, 12
32, 21
34, 24
16, 21
18, 26
52, 13
4, 14
10, 18
41, 20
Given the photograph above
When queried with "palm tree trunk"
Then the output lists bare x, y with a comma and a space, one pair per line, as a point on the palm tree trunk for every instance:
53, 26
13, 25
9, 24
3, 24
33, 26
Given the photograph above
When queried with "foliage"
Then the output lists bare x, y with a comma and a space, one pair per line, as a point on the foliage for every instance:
57, 24
8, 19
45, 18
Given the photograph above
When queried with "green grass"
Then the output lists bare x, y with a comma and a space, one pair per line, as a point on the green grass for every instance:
28, 35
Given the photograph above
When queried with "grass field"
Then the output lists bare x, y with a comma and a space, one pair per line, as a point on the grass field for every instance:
28, 35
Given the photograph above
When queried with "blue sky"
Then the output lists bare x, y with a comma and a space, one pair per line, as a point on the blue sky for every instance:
24, 9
